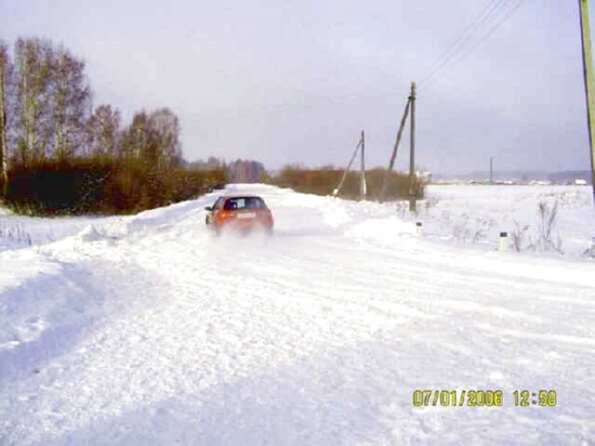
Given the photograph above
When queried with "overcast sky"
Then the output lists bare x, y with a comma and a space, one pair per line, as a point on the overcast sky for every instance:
296, 81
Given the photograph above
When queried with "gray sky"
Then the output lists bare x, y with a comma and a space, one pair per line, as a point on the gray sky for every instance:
295, 81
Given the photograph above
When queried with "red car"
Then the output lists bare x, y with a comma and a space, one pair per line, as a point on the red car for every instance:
239, 212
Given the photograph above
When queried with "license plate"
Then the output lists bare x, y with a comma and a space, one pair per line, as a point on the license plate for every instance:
247, 215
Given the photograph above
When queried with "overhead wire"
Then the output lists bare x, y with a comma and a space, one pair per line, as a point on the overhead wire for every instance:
462, 38
493, 21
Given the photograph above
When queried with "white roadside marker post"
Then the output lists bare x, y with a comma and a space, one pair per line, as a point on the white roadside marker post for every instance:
418, 228
503, 245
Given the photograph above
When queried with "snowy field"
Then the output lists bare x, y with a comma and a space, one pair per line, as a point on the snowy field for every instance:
149, 330
22, 232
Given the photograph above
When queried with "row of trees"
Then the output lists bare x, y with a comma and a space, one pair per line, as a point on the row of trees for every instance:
59, 154
323, 180
49, 130
47, 112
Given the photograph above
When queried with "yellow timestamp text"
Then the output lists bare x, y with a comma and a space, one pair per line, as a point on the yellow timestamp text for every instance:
482, 398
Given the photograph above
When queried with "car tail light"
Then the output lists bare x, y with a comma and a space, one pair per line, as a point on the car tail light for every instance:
225, 215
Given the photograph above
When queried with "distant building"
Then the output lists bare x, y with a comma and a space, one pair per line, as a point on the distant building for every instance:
571, 176
580, 182
540, 183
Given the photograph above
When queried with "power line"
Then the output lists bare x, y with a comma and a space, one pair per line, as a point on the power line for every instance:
499, 21
507, 13
460, 41
490, 32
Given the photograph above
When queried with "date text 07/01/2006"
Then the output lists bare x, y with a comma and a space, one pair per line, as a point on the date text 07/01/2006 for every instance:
483, 398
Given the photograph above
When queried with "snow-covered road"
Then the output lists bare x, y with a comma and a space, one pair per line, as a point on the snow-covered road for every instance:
149, 330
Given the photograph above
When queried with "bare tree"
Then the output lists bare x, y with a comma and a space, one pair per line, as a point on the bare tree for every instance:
135, 136
166, 126
70, 102
103, 128
33, 63
153, 138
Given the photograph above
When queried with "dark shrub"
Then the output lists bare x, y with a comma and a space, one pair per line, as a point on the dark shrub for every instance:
104, 186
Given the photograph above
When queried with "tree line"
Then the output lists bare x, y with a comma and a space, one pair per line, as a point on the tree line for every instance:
323, 180
52, 140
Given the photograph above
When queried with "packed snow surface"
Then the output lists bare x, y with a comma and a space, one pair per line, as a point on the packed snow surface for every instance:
150, 330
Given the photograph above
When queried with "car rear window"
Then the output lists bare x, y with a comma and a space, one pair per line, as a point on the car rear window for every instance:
244, 203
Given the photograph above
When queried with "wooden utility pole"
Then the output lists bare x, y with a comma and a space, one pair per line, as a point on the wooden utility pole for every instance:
412, 185
363, 189
338, 189
3, 126
589, 80
393, 156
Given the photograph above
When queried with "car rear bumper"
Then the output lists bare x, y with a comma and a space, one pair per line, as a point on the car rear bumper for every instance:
243, 225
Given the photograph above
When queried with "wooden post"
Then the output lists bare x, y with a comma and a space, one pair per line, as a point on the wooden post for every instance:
338, 189
3, 126
589, 80
393, 156
412, 186
363, 186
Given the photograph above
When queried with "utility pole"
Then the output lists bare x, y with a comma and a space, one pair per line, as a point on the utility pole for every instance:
344, 177
412, 186
589, 80
491, 170
363, 186
3, 126
393, 156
